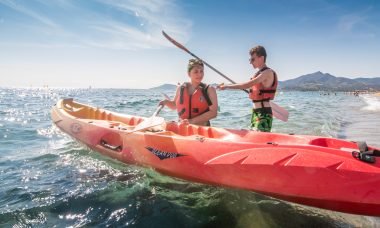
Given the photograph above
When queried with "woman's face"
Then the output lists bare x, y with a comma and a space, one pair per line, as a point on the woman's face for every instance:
196, 74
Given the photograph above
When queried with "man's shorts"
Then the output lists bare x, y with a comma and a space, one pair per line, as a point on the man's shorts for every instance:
262, 119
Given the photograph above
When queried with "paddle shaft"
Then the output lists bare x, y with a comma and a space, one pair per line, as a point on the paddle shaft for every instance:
166, 96
192, 54
157, 110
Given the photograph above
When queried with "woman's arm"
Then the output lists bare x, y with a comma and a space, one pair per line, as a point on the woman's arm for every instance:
171, 103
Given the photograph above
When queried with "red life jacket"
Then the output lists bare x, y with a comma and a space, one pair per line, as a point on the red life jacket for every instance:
258, 93
190, 106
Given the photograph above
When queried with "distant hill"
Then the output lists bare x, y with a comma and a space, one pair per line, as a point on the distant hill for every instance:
313, 82
165, 87
369, 81
325, 81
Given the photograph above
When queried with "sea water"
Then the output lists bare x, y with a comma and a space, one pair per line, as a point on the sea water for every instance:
50, 180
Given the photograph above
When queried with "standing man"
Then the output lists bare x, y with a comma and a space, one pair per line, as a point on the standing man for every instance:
262, 88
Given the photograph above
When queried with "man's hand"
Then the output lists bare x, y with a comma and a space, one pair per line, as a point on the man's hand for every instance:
221, 86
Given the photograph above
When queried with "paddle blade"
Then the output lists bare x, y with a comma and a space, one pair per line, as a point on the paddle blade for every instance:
152, 122
279, 112
175, 42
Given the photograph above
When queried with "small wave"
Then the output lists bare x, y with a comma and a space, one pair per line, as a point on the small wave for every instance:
225, 114
373, 103
50, 131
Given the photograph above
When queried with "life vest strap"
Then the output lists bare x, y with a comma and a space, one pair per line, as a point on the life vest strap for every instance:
205, 93
183, 87
267, 91
196, 110
181, 112
261, 100
203, 88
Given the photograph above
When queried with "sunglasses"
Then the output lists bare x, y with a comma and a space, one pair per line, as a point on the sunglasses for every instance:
193, 62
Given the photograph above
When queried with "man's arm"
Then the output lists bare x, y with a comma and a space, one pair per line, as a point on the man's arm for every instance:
260, 78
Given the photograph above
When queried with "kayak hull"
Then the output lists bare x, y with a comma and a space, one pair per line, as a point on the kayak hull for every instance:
309, 170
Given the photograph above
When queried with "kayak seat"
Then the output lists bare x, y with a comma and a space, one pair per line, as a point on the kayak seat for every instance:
319, 142
134, 121
205, 131
332, 143
183, 130
179, 129
78, 111
202, 131
188, 130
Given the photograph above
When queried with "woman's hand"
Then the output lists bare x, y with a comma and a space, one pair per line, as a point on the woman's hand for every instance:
163, 102
185, 121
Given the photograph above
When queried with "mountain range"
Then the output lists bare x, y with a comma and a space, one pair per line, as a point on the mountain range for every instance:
326, 81
317, 81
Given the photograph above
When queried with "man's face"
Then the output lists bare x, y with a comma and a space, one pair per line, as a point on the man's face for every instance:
255, 60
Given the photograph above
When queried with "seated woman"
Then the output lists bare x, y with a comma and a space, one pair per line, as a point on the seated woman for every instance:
195, 102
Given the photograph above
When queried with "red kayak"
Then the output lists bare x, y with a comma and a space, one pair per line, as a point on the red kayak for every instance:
317, 171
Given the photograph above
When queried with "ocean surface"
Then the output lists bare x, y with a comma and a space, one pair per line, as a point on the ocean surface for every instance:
50, 180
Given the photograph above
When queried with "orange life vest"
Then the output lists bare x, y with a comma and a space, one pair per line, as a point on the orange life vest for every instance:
190, 106
258, 93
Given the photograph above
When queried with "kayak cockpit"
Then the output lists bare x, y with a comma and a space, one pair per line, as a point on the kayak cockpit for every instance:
127, 123
81, 111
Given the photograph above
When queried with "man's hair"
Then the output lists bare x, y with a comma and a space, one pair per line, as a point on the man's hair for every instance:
193, 63
260, 51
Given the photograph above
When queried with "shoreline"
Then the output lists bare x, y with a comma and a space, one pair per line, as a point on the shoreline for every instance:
363, 120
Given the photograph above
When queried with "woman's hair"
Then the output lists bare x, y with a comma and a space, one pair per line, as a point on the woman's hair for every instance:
193, 63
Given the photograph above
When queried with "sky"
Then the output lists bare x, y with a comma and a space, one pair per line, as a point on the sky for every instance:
119, 44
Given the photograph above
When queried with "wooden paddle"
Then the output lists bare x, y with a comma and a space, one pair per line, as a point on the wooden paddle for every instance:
278, 111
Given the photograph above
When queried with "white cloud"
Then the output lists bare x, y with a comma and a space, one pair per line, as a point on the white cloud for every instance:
90, 26
358, 23
29, 12
154, 16
348, 23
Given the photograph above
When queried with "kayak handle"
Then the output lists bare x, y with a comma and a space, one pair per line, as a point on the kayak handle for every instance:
106, 145
364, 156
